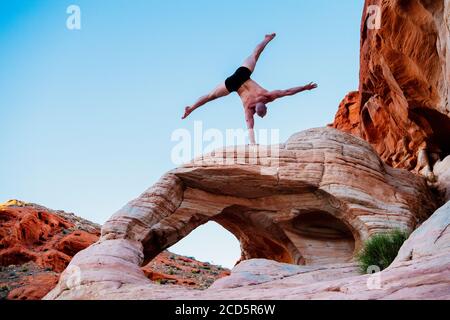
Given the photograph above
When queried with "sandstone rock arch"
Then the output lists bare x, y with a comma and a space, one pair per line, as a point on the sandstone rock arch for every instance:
277, 233
269, 206
313, 201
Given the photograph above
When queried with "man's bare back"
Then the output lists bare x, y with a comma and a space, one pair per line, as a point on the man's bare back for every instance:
252, 93
254, 97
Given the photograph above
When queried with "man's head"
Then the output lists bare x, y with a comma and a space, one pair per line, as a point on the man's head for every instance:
261, 109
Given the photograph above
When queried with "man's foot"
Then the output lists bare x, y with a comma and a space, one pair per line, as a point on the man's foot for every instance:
269, 37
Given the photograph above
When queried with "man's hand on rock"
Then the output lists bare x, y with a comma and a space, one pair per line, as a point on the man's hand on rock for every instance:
187, 112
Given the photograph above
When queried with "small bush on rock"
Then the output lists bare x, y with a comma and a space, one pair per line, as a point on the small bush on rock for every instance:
381, 249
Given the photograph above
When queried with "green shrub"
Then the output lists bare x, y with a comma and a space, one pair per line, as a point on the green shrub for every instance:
4, 290
381, 249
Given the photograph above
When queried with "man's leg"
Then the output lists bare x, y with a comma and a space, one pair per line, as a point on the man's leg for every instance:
251, 61
220, 91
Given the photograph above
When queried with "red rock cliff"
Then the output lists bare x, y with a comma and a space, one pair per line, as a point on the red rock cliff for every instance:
402, 106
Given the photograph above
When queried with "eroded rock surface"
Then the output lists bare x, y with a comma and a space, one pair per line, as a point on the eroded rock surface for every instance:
423, 275
258, 271
402, 106
441, 171
311, 201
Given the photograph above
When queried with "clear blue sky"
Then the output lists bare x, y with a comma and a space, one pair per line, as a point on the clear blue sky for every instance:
87, 115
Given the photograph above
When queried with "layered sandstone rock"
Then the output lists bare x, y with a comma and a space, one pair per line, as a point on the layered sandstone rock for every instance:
441, 172
421, 271
258, 271
432, 238
311, 201
402, 106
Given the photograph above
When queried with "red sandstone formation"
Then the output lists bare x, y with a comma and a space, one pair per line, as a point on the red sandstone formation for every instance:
169, 268
31, 233
26, 282
402, 106
348, 115
37, 243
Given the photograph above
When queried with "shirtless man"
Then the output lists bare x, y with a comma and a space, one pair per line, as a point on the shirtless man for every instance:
254, 97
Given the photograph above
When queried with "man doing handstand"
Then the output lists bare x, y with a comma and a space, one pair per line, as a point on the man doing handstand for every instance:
254, 97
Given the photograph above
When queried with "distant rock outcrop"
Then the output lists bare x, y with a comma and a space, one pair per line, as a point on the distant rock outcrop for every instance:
403, 104
37, 243
32, 233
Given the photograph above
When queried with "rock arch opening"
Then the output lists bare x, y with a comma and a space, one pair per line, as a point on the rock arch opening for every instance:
321, 238
303, 236
210, 243
312, 237
258, 234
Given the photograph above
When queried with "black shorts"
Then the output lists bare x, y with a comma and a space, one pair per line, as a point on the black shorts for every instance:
234, 82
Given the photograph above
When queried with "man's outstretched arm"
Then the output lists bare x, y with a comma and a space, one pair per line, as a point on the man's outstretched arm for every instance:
218, 92
273, 95
250, 126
